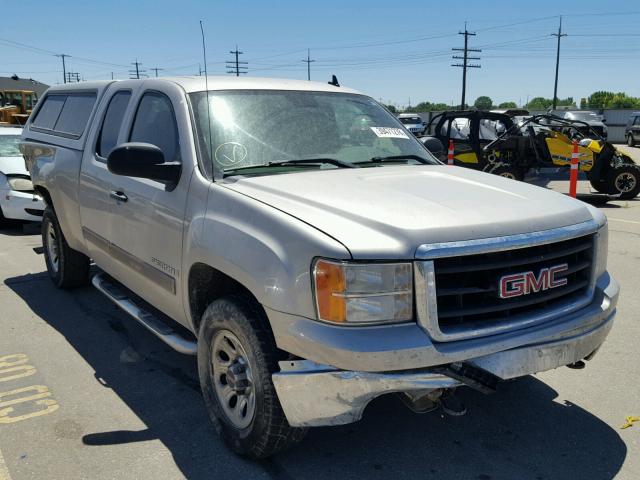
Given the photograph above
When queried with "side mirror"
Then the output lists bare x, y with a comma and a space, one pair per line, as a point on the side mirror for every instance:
142, 160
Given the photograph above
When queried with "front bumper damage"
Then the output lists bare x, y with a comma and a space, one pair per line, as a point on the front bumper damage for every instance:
315, 394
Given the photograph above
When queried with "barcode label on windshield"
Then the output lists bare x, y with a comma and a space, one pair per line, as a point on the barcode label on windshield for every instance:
389, 132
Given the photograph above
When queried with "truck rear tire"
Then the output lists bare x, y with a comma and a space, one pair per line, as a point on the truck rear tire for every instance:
67, 267
624, 180
236, 357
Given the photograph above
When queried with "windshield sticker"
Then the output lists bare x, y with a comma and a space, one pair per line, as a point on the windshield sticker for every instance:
230, 153
389, 132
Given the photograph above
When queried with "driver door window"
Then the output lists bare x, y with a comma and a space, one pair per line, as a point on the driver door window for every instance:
155, 123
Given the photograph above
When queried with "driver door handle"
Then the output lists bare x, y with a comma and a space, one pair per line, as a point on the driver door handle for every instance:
120, 196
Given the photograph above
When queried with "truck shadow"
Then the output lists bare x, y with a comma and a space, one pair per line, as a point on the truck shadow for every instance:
521, 432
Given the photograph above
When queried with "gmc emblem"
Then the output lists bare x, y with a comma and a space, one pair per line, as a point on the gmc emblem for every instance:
517, 284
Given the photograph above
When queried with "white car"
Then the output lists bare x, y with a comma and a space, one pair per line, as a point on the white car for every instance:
18, 201
413, 123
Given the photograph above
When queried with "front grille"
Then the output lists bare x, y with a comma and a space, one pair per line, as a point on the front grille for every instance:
467, 287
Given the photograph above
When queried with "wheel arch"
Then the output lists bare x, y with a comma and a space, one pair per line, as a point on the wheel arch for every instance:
207, 284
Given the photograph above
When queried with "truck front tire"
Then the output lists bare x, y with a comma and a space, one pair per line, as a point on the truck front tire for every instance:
236, 358
67, 267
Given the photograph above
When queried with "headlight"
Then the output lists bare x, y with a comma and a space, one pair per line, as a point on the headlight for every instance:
357, 293
602, 246
20, 184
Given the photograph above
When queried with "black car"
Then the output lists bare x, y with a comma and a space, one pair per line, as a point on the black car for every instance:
632, 130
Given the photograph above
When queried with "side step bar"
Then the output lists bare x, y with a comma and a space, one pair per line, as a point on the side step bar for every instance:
156, 326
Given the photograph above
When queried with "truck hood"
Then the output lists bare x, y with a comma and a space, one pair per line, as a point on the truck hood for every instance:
13, 165
388, 212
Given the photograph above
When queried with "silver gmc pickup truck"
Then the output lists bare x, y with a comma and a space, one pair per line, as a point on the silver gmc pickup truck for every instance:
309, 250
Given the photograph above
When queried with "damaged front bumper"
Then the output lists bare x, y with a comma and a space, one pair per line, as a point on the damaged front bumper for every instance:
314, 394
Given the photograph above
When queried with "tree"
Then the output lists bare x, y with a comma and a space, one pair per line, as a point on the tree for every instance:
483, 103
427, 107
541, 103
603, 99
391, 108
508, 105
600, 99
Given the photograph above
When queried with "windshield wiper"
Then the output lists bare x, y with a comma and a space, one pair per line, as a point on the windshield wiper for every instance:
293, 161
303, 161
393, 158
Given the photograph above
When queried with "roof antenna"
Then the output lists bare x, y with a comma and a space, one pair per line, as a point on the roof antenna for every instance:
334, 81
206, 85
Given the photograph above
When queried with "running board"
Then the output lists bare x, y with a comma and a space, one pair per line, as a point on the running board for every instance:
156, 326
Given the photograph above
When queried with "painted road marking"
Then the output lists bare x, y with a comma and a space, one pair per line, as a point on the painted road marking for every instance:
4, 470
39, 398
32, 401
24, 371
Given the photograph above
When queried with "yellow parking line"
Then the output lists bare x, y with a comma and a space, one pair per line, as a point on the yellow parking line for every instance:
4, 471
624, 221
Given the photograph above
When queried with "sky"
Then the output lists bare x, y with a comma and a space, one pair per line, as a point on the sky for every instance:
397, 52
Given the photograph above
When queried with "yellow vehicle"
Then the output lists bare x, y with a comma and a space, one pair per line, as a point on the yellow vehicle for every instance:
495, 143
16, 106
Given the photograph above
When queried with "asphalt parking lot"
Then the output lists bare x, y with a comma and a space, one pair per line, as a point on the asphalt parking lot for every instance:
85, 392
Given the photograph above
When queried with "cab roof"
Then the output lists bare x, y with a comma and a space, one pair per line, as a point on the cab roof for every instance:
197, 84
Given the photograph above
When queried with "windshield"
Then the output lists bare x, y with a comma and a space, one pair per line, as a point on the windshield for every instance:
255, 127
9, 146
410, 121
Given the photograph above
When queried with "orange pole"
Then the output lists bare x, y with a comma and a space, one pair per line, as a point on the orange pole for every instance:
450, 154
573, 178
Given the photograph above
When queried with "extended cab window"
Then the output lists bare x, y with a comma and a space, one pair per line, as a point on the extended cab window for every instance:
65, 114
155, 123
49, 112
108, 137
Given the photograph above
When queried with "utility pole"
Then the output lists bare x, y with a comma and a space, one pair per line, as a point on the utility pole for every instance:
308, 61
155, 69
465, 61
64, 68
555, 85
238, 68
138, 72
111, 75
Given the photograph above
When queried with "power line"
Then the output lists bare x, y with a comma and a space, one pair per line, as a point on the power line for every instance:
155, 69
555, 85
465, 59
239, 68
308, 62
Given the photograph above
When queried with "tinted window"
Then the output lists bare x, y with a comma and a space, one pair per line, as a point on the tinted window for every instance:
75, 113
66, 114
637, 122
155, 123
49, 112
111, 123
